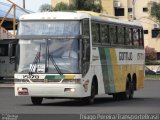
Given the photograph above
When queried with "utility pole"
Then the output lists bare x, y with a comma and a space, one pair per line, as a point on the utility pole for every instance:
133, 10
24, 4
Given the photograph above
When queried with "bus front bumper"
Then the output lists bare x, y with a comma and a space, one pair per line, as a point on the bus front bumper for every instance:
50, 90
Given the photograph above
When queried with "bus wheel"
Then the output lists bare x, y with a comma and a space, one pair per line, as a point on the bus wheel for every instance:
117, 96
90, 100
36, 100
131, 90
128, 94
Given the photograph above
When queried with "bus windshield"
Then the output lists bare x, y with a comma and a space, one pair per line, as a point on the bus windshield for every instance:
56, 28
38, 55
56, 54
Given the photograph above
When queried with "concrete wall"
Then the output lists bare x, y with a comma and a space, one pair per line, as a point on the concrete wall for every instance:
4, 34
108, 7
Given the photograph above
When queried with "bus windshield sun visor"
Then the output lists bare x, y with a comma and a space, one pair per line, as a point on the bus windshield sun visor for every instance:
28, 37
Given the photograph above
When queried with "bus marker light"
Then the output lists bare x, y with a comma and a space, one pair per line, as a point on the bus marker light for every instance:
85, 85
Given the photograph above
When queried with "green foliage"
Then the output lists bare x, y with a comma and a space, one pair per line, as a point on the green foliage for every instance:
89, 5
62, 7
152, 62
150, 53
45, 8
155, 10
152, 77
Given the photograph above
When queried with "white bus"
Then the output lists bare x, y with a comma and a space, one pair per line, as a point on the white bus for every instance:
78, 55
7, 60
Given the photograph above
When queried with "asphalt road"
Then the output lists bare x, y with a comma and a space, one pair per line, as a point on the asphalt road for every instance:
146, 100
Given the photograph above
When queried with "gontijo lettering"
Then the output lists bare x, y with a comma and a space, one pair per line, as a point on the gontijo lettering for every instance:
140, 56
125, 56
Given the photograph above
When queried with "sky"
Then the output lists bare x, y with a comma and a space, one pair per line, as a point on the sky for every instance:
32, 5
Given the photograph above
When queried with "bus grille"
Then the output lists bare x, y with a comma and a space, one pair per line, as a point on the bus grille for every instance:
43, 80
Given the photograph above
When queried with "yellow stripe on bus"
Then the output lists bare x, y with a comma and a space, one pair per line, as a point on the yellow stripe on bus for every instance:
115, 68
69, 76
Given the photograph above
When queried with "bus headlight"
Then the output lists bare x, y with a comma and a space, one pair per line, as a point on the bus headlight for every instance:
72, 81
69, 90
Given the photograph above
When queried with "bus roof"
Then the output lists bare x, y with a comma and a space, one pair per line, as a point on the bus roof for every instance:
77, 15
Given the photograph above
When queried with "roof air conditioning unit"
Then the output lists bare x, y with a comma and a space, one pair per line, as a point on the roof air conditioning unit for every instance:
117, 4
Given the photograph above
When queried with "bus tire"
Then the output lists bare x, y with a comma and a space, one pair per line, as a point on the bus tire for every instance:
116, 96
1, 78
128, 94
37, 100
90, 100
131, 90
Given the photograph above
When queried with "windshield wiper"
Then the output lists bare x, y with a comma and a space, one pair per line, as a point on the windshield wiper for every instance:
55, 65
52, 60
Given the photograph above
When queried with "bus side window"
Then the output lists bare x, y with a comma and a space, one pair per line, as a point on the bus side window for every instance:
128, 36
3, 49
96, 32
135, 37
104, 34
112, 34
121, 37
85, 28
141, 37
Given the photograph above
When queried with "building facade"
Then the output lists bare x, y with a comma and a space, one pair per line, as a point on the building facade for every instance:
132, 10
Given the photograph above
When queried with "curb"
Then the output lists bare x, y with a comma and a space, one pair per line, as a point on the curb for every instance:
152, 79
6, 85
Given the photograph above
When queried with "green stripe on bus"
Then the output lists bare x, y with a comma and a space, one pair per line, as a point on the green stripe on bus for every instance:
104, 69
48, 77
110, 70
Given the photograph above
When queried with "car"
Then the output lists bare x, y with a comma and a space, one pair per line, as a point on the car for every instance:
149, 71
158, 70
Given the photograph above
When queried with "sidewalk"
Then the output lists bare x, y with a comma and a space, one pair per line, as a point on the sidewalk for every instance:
6, 83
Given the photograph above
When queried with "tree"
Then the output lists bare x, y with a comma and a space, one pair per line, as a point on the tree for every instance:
89, 5
62, 7
45, 8
155, 10
150, 53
